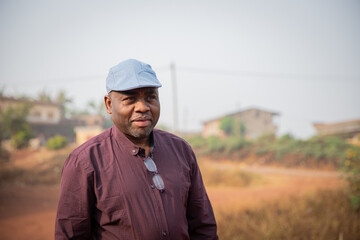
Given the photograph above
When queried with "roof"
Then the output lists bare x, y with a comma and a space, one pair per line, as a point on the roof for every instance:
338, 128
245, 110
336, 124
25, 100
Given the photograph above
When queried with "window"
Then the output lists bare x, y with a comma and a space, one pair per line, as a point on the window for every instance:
50, 115
37, 114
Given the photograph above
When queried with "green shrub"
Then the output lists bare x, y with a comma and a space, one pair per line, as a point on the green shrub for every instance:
351, 166
329, 148
56, 142
263, 144
196, 141
227, 124
233, 144
21, 139
215, 144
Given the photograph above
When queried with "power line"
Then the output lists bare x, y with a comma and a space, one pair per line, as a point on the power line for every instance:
207, 71
213, 71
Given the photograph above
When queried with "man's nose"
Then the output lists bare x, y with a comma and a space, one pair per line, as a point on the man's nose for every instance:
141, 106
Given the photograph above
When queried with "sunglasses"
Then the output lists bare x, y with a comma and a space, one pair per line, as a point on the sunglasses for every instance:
157, 179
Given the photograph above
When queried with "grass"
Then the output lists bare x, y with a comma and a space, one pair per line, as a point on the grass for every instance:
220, 175
322, 215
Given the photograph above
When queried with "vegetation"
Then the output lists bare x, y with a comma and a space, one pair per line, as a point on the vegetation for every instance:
232, 127
352, 169
56, 142
216, 146
312, 152
316, 147
13, 125
22, 138
64, 101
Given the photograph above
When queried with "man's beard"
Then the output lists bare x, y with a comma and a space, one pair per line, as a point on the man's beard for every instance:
140, 133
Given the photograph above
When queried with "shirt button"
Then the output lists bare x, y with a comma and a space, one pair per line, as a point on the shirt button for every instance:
152, 186
164, 234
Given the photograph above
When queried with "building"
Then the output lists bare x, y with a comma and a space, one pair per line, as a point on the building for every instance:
347, 129
87, 126
257, 122
88, 120
84, 133
46, 120
40, 112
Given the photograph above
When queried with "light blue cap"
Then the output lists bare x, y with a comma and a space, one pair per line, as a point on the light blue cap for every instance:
131, 74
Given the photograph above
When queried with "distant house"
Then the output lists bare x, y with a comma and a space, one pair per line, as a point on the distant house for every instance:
87, 126
84, 133
47, 120
88, 120
347, 129
40, 112
257, 122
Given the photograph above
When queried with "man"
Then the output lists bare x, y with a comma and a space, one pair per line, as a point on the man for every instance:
133, 181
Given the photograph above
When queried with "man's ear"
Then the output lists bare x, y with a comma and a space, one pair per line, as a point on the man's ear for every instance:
108, 104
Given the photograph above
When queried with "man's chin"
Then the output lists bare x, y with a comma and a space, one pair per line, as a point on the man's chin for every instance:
141, 133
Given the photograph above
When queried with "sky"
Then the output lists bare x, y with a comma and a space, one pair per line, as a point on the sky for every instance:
300, 59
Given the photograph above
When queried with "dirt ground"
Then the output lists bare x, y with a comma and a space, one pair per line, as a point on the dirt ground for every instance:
28, 211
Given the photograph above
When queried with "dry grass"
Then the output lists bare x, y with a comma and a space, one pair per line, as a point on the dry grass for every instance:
224, 176
279, 206
326, 214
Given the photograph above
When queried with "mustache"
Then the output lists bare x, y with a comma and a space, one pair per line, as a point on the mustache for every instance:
141, 117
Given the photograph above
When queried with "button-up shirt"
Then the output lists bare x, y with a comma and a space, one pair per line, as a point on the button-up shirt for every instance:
107, 193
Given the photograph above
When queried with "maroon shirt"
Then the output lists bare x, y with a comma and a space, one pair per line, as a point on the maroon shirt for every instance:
107, 192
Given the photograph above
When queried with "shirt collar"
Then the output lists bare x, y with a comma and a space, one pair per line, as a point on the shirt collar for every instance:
123, 141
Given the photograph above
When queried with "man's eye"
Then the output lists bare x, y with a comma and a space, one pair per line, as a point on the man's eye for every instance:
152, 97
129, 99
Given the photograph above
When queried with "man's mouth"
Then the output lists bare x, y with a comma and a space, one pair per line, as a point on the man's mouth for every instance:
142, 122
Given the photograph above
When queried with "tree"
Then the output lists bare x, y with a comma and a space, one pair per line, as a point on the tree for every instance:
352, 169
62, 99
232, 127
13, 125
44, 96
242, 130
227, 124
97, 108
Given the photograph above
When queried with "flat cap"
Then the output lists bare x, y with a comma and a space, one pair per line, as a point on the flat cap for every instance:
131, 74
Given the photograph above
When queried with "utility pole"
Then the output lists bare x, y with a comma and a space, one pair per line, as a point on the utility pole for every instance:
174, 89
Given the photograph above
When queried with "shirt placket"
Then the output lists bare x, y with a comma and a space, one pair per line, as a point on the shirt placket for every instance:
156, 200
159, 208
160, 212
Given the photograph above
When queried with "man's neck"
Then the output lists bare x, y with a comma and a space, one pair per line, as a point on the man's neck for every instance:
144, 143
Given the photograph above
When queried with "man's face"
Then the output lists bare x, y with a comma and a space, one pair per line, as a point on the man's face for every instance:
134, 112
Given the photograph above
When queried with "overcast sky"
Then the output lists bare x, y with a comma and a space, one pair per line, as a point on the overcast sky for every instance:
298, 58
